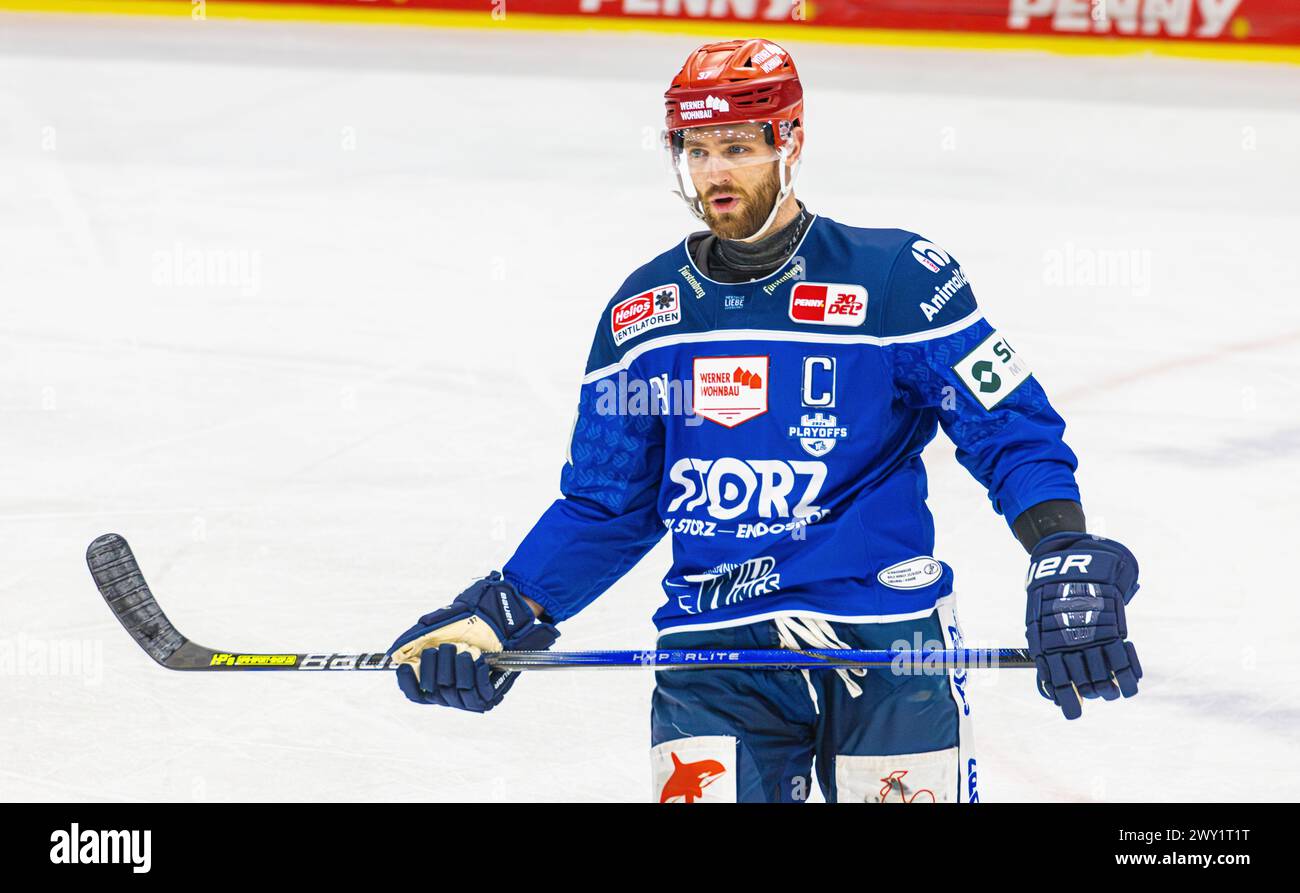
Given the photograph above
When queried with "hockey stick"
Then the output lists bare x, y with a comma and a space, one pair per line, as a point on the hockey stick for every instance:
120, 582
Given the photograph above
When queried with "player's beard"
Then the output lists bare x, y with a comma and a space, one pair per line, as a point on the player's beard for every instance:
756, 205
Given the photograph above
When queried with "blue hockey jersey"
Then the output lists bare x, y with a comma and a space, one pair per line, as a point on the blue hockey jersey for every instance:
773, 429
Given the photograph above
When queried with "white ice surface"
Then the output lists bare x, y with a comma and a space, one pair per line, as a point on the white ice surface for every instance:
433, 221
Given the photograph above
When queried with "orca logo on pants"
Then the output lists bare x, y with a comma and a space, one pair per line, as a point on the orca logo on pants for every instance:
700, 769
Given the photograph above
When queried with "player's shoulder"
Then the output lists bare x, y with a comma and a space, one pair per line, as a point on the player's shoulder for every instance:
650, 298
874, 244
665, 268
919, 285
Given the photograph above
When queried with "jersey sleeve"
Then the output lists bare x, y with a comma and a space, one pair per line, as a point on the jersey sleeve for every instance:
606, 519
947, 358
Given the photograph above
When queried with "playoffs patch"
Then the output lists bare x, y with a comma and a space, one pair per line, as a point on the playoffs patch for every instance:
649, 310
817, 432
992, 370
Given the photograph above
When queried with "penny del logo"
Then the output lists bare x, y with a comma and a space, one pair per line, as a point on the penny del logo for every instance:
828, 304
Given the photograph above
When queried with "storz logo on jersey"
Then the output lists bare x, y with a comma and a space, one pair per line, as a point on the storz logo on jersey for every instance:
729, 390
730, 487
930, 256
992, 370
827, 304
817, 433
728, 584
649, 310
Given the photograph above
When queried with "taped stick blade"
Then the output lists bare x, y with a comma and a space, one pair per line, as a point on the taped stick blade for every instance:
118, 578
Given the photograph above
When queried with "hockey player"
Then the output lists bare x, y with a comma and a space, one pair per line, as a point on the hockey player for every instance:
796, 368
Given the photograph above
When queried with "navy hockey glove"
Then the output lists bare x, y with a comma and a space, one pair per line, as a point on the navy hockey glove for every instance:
1078, 586
441, 657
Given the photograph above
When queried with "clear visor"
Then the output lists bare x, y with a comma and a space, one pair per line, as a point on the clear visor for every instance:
704, 158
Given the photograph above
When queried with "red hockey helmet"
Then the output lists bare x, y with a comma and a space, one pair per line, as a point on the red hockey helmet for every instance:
737, 81
744, 94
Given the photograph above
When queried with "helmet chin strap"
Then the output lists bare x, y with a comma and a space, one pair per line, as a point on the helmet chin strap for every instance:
696, 206
787, 186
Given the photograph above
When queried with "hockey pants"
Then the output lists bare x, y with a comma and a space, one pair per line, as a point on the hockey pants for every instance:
756, 735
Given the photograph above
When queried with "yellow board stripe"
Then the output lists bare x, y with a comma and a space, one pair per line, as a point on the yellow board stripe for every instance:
961, 40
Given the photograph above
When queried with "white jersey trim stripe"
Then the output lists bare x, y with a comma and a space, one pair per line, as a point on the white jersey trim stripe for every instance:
778, 335
836, 618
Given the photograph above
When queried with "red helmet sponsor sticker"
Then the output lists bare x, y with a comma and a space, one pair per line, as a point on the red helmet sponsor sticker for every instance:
828, 304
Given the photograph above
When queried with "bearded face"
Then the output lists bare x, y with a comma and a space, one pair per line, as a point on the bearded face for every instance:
736, 174
736, 211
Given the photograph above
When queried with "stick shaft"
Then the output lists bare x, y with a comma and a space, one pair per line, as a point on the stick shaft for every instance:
121, 583
811, 659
